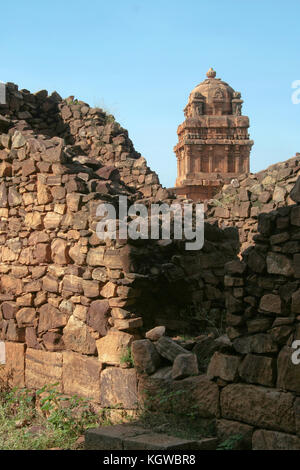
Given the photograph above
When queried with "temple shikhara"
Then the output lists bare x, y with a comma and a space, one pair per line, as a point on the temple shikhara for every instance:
214, 145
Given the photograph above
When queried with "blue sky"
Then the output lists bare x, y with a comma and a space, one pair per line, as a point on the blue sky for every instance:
140, 59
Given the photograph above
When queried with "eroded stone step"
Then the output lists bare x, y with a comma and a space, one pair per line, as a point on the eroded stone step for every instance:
132, 437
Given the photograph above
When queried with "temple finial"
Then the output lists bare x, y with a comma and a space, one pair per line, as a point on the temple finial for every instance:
211, 73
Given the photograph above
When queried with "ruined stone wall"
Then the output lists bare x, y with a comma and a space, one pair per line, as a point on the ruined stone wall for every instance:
251, 387
260, 385
90, 131
240, 203
72, 304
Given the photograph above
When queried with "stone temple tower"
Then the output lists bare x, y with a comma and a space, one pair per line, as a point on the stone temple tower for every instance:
214, 145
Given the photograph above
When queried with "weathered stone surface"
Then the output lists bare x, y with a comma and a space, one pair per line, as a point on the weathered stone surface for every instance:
155, 333
95, 256
59, 252
53, 341
295, 216
296, 302
295, 193
72, 283
259, 325
9, 310
97, 316
25, 317
197, 394
81, 375
112, 347
272, 440
90, 288
43, 368
52, 220
185, 365
128, 323
50, 317
270, 303
145, 357
111, 437
227, 429
44, 195
168, 349
258, 344
77, 336
50, 284
259, 406
15, 363
118, 387
157, 441
223, 366
205, 349
256, 261
288, 377
279, 264
258, 370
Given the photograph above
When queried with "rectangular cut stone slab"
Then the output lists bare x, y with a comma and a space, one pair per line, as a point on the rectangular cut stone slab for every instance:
272, 440
224, 366
43, 368
111, 437
197, 394
15, 363
259, 370
263, 407
168, 349
118, 387
155, 441
81, 375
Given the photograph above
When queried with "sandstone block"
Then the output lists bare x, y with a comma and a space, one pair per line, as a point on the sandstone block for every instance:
168, 349
156, 333
50, 317
279, 264
97, 316
118, 387
77, 336
270, 303
43, 368
145, 357
25, 317
15, 363
59, 251
258, 370
259, 406
223, 366
81, 375
184, 366
272, 440
112, 347
260, 343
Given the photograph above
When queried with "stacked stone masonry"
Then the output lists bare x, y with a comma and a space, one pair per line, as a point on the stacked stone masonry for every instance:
72, 305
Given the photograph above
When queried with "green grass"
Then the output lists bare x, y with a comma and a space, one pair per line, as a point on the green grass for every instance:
43, 420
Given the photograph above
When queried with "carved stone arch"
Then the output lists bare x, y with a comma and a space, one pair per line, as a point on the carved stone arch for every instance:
218, 95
